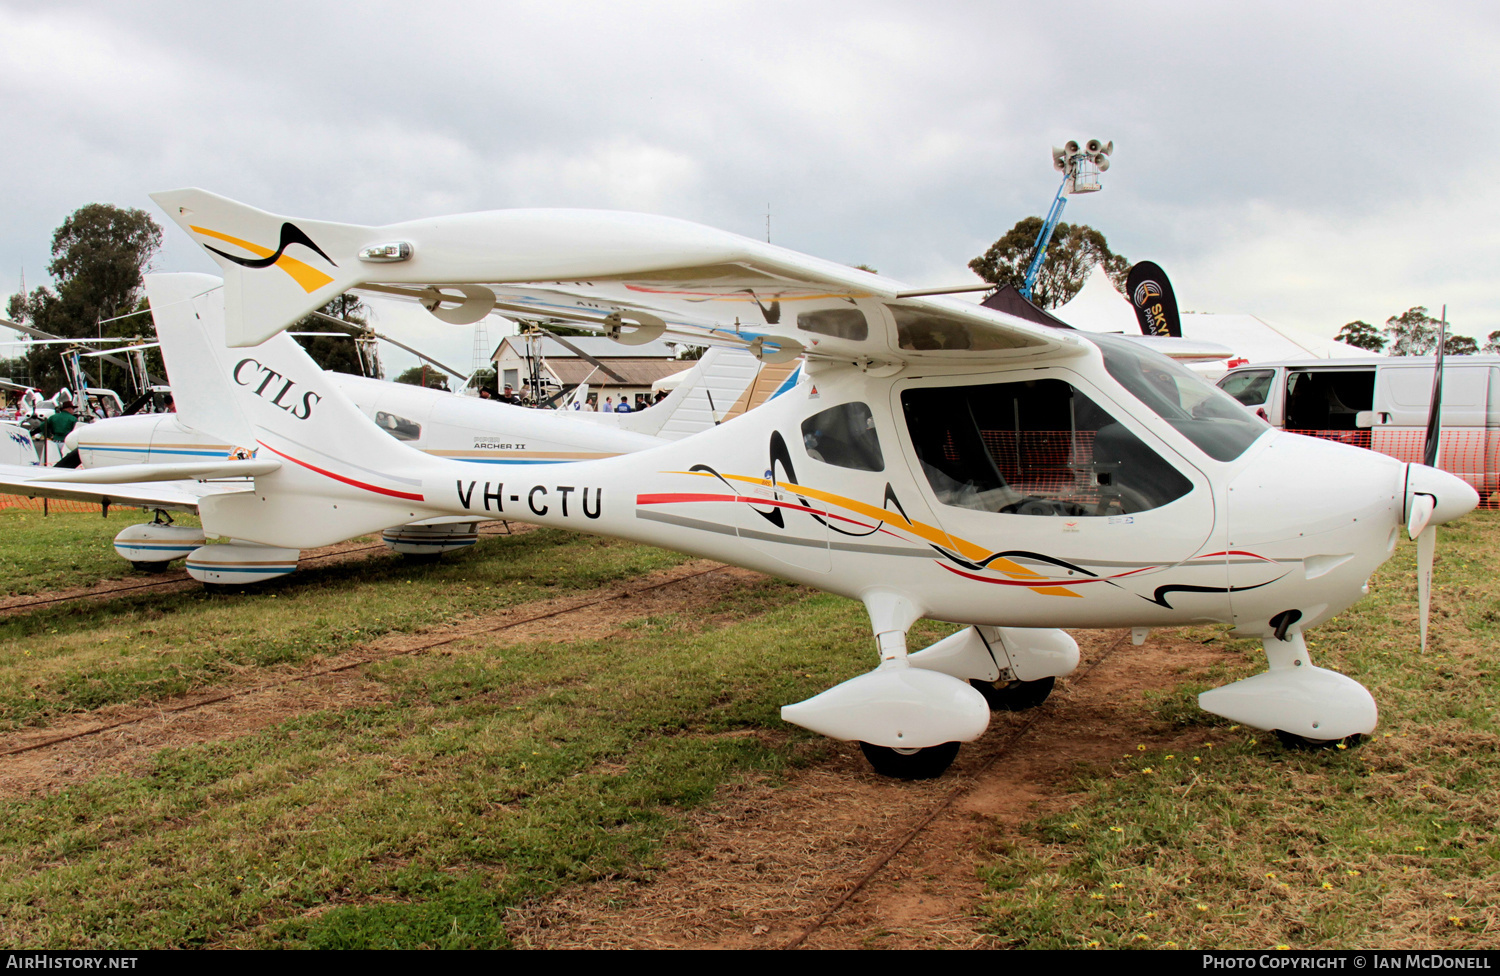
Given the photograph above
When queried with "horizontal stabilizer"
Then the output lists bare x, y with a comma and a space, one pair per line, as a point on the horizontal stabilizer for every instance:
276, 270
169, 496
118, 474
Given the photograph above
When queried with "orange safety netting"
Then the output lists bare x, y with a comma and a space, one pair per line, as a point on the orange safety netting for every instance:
52, 504
1056, 464
1472, 454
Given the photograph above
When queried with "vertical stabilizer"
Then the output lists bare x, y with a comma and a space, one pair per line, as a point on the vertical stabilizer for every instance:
179, 305
341, 476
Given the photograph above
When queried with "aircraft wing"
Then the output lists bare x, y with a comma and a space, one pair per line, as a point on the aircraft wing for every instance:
635, 277
1182, 350
171, 496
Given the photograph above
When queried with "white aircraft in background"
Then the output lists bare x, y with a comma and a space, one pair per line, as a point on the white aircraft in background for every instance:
936, 459
139, 460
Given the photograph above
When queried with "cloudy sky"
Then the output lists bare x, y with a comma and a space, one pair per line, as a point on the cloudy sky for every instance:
1309, 163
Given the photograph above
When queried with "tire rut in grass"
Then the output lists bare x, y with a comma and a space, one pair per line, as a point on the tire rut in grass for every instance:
764, 862
120, 738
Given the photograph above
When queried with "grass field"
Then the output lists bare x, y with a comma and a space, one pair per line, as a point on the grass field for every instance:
459, 783
1225, 839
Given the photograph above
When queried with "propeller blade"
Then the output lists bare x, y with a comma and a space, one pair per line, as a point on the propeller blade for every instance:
1426, 545
1432, 448
358, 330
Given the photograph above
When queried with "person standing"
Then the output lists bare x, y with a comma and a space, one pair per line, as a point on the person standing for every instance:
59, 425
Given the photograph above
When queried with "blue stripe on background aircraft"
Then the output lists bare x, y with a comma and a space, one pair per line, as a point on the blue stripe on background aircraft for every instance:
139, 460
935, 459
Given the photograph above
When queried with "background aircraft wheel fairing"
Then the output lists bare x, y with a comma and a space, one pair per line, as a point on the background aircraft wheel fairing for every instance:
419, 541
150, 546
928, 763
236, 563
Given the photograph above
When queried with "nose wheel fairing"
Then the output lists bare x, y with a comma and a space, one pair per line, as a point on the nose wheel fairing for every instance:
1295, 697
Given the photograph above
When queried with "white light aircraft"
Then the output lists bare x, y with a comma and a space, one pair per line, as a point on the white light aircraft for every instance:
140, 451
937, 459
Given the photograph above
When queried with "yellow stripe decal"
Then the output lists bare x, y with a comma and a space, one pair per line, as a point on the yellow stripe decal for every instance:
928, 533
310, 278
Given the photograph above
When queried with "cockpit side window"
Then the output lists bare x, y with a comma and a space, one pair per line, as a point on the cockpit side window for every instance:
1038, 447
844, 436
1214, 421
398, 427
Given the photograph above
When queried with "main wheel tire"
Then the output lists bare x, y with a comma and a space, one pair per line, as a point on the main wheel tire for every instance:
928, 763
1014, 696
151, 567
1301, 743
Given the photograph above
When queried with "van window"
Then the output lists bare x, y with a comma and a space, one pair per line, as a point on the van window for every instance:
1250, 386
1327, 399
1038, 447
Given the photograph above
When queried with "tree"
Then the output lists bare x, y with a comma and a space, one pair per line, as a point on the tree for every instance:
1074, 251
1460, 345
1361, 334
484, 379
1492, 344
98, 257
1412, 333
335, 353
436, 378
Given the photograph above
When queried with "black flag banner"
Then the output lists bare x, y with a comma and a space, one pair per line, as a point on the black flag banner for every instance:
1151, 294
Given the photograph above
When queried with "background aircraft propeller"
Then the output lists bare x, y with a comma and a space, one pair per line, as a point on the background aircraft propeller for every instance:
360, 330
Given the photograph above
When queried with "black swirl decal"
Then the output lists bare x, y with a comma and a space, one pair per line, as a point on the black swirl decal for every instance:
290, 234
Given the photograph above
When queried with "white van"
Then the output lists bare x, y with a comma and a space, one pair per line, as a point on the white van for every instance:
1381, 403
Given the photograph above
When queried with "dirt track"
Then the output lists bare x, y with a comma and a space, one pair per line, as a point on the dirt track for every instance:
762, 866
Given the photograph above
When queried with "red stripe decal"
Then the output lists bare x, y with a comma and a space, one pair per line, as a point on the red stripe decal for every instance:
347, 481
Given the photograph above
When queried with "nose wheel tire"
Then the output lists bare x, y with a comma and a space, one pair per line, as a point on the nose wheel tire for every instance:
1301, 743
1014, 696
928, 763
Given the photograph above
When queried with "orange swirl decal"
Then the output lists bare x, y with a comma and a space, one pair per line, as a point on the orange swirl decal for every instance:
309, 278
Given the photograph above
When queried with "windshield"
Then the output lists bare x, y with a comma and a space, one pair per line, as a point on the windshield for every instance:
1214, 421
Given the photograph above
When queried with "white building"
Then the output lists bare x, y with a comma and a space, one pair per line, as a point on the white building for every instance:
611, 369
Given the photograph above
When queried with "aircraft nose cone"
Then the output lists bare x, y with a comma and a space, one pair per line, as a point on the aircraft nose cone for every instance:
1452, 495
